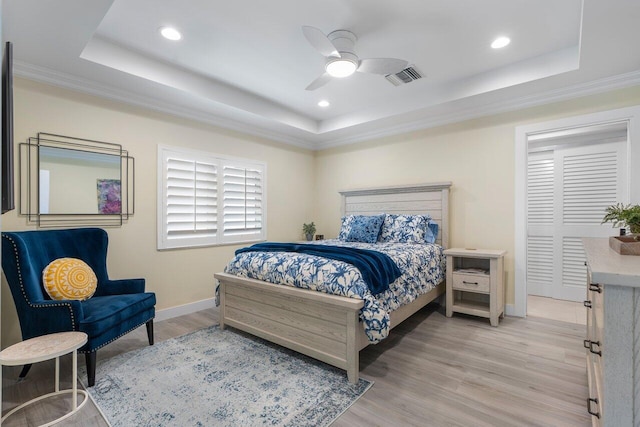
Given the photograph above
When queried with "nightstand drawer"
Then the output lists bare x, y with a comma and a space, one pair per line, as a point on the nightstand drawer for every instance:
472, 282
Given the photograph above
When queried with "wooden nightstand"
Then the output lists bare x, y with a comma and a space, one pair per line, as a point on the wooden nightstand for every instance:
475, 282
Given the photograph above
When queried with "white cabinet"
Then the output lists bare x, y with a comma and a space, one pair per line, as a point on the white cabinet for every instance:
613, 335
475, 282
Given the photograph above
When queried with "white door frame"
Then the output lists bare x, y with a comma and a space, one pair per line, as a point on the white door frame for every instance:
630, 114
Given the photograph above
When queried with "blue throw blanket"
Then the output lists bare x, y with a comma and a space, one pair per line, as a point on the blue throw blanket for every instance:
377, 269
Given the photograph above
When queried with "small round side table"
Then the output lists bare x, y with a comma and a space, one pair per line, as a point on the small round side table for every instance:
43, 348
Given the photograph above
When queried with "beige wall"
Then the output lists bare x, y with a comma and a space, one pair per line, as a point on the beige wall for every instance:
73, 187
477, 156
177, 276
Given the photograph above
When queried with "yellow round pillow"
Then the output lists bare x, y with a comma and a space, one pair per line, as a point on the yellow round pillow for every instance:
69, 278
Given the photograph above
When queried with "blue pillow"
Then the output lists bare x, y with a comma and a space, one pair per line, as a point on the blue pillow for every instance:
365, 229
431, 232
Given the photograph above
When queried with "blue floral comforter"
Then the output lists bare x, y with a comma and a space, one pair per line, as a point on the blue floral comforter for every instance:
422, 267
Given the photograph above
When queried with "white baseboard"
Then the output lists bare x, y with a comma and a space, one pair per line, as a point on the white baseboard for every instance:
181, 310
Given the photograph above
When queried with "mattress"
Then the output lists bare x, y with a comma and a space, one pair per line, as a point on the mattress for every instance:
422, 267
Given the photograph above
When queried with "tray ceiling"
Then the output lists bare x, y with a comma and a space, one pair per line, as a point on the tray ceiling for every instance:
245, 64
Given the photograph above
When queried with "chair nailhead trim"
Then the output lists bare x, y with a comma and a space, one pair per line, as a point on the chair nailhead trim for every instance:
115, 338
24, 294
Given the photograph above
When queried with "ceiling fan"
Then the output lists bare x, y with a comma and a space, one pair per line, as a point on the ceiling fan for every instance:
342, 61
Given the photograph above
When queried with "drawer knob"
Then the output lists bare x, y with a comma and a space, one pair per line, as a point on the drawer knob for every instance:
595, 287
587, 303
470, 283
589, 410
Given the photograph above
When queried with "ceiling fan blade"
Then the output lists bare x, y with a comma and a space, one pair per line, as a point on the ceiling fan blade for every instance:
319, 82
382, 65
320, 41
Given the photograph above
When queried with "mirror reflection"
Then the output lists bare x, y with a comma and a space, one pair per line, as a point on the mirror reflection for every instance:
79, 182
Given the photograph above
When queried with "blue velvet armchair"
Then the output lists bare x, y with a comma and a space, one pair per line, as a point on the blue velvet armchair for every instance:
116, 308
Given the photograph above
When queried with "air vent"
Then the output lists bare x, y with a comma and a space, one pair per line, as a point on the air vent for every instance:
405, 76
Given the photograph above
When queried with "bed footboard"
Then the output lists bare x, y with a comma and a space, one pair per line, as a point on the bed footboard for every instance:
319, 325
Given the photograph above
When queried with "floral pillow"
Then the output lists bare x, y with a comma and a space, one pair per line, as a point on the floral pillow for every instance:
404, 228
365, 229
345, 227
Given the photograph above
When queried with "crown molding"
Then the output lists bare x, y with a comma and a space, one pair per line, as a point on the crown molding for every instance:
322, 142
427, 121
68, 81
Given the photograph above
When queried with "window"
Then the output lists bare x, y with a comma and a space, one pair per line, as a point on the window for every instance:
205, 199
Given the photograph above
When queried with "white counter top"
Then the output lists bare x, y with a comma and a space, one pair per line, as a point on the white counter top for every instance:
608, 267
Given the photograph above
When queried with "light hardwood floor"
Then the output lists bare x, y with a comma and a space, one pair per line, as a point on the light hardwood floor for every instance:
432, 371
566, 311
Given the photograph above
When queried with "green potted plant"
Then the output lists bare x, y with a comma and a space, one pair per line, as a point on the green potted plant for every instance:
624, 216
309, 230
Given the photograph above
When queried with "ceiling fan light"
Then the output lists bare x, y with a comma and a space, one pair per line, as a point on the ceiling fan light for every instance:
341, 68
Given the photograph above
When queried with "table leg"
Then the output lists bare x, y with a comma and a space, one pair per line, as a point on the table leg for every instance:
74, 381
57, 373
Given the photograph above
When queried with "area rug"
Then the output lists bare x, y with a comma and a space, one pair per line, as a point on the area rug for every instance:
220, 378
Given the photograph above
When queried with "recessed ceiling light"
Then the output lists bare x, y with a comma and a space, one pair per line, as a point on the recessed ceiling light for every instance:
170, 33
500, 42
323, 103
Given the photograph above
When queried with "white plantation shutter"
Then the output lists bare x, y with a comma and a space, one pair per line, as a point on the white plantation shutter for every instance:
191, 198
242, 204
207, 200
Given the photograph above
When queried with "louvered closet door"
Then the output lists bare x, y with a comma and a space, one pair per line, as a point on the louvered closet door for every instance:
568, 191
540, 215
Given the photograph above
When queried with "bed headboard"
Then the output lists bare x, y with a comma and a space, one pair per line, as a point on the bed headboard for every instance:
432, 199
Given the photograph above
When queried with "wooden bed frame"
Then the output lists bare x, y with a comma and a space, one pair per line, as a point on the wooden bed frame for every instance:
320, 325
